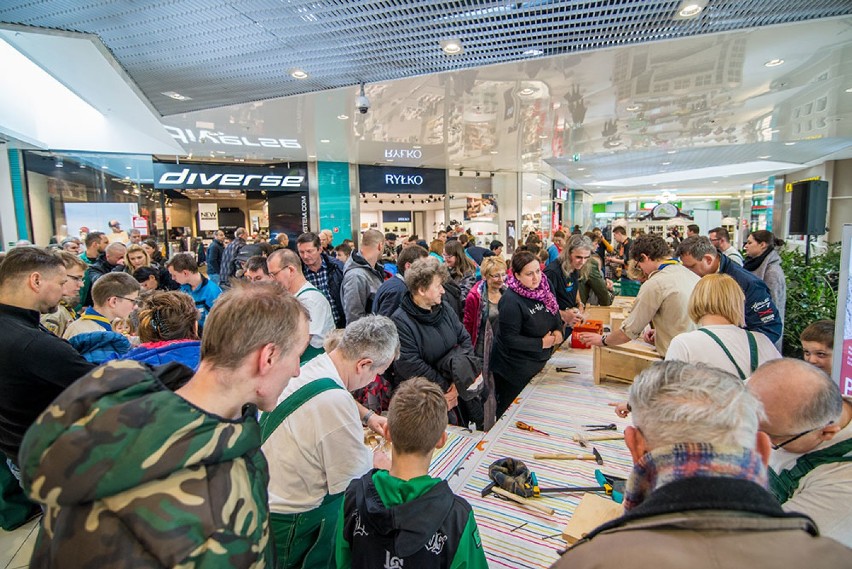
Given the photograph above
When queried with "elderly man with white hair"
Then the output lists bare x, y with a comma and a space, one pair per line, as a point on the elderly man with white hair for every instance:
810, 427
697, 495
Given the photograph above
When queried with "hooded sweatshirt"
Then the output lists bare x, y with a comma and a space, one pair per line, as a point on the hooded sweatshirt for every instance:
389, 522
359, 286
131, 474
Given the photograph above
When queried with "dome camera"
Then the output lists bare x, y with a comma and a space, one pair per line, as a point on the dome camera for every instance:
362, 103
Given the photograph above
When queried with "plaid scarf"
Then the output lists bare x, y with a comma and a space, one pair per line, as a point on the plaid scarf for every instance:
541, 293
691, 460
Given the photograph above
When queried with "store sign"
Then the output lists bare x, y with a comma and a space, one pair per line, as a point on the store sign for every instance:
216, 138
392, 180
187, 176
208, 216
665, 211
289, 213
396, 216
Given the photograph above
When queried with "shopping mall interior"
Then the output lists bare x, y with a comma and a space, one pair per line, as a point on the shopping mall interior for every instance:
504, 117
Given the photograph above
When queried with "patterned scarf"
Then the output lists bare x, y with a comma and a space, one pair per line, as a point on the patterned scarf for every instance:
541, 293
691, 460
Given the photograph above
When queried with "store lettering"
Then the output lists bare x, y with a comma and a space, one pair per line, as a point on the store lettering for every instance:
402, 153
187, 135
187, 177
402, 179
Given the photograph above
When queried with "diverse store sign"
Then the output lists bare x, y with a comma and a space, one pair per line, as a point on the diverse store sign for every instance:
393, 180
203, 176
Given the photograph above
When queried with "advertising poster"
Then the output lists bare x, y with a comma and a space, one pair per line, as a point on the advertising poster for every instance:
289, 213
87, 217
481, 208
208, 216
510, 236
842, 365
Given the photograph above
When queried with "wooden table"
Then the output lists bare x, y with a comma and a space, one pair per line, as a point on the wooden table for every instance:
558, 404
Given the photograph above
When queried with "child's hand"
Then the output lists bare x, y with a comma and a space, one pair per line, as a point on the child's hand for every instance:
621, 409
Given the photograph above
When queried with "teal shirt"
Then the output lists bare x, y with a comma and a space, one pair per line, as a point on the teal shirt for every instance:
395, 491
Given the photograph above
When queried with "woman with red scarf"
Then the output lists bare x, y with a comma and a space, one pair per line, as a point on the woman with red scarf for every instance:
529, 328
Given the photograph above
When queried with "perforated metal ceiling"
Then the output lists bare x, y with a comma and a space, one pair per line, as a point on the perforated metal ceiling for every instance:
221, 52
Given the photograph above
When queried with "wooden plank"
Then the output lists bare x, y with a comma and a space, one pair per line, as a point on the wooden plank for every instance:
593, 511
622, 363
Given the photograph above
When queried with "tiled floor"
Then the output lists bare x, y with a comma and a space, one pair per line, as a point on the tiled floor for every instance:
16, 547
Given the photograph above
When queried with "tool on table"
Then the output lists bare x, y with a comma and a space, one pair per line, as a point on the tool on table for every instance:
596, 456
511, 479
585, 439
525, 427
610, 427
612, 486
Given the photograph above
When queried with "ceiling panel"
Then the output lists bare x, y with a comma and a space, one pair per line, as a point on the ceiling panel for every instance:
219, 52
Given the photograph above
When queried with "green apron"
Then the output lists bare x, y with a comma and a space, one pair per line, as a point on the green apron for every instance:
304, 540
785, 483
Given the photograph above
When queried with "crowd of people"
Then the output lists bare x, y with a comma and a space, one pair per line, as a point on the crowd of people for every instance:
220, 405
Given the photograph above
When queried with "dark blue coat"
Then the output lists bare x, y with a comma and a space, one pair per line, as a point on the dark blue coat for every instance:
761, 314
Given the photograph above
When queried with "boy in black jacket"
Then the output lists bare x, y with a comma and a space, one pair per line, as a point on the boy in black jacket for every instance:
404, 516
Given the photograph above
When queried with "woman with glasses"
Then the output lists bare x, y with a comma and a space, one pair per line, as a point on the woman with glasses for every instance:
481, 313
529, 329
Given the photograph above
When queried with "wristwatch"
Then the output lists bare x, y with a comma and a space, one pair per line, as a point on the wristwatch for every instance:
603, 340
366, 417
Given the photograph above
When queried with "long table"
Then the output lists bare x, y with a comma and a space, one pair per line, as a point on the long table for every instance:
558, 404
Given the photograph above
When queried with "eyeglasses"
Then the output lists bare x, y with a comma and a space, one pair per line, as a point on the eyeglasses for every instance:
135, 301
497, 276
273, 274
795, 438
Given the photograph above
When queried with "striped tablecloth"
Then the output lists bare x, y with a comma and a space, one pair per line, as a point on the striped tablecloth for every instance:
558, 404
451, 461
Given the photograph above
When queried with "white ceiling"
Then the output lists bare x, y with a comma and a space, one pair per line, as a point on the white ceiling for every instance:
701, 113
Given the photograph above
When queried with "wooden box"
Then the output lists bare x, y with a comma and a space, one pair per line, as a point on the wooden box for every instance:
622, 363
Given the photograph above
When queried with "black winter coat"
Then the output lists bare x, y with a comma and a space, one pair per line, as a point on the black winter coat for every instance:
425, 337
563, 288
517, 354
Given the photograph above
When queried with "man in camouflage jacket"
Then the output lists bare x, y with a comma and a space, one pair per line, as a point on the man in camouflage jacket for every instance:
156, 467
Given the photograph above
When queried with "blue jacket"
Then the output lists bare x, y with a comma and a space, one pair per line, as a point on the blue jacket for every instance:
204, 296
186, 352
761, 314
388, 296
99, 347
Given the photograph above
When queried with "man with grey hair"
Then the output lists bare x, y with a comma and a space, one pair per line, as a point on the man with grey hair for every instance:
362, 277
315, 441
285, 268
696, 497
810, 426
701, 257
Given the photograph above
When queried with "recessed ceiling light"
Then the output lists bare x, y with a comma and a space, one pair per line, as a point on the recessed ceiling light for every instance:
533, 52
343, 117
325, 140
672, 152
416, 147
389, 160
493, 152
774, 63
128, 167
690, 10
765, 156
176, 96
666, 163
715, 181
526, 92
542, 136
298, 74
581, 169
849, 90
451, 47
104, 167
632, 108
312, 156
789, 143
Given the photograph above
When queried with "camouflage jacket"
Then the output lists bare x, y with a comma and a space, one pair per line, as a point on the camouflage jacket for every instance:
132, 475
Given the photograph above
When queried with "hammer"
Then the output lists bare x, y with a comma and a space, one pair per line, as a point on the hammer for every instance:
596, 456
524, 502
584, 439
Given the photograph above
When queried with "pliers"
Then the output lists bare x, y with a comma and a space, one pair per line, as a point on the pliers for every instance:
610, 427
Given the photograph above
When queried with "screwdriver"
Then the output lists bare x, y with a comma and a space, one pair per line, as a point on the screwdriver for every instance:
524, 426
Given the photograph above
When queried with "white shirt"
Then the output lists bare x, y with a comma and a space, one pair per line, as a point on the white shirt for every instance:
319, 309
825, 493
319, 448
698, 347
734, 255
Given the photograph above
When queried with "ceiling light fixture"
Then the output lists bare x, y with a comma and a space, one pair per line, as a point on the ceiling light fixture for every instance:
631, 108
581, 169
774, 63
493, 152
765, 156
542, 136
849, 90
533, 52
298, 74
789, 143
176, 96
666, 163
451, 47
325, 140
526, 92
343, 117
691, 8
672, 152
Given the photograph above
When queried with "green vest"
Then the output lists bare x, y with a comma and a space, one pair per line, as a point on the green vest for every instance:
784, 484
